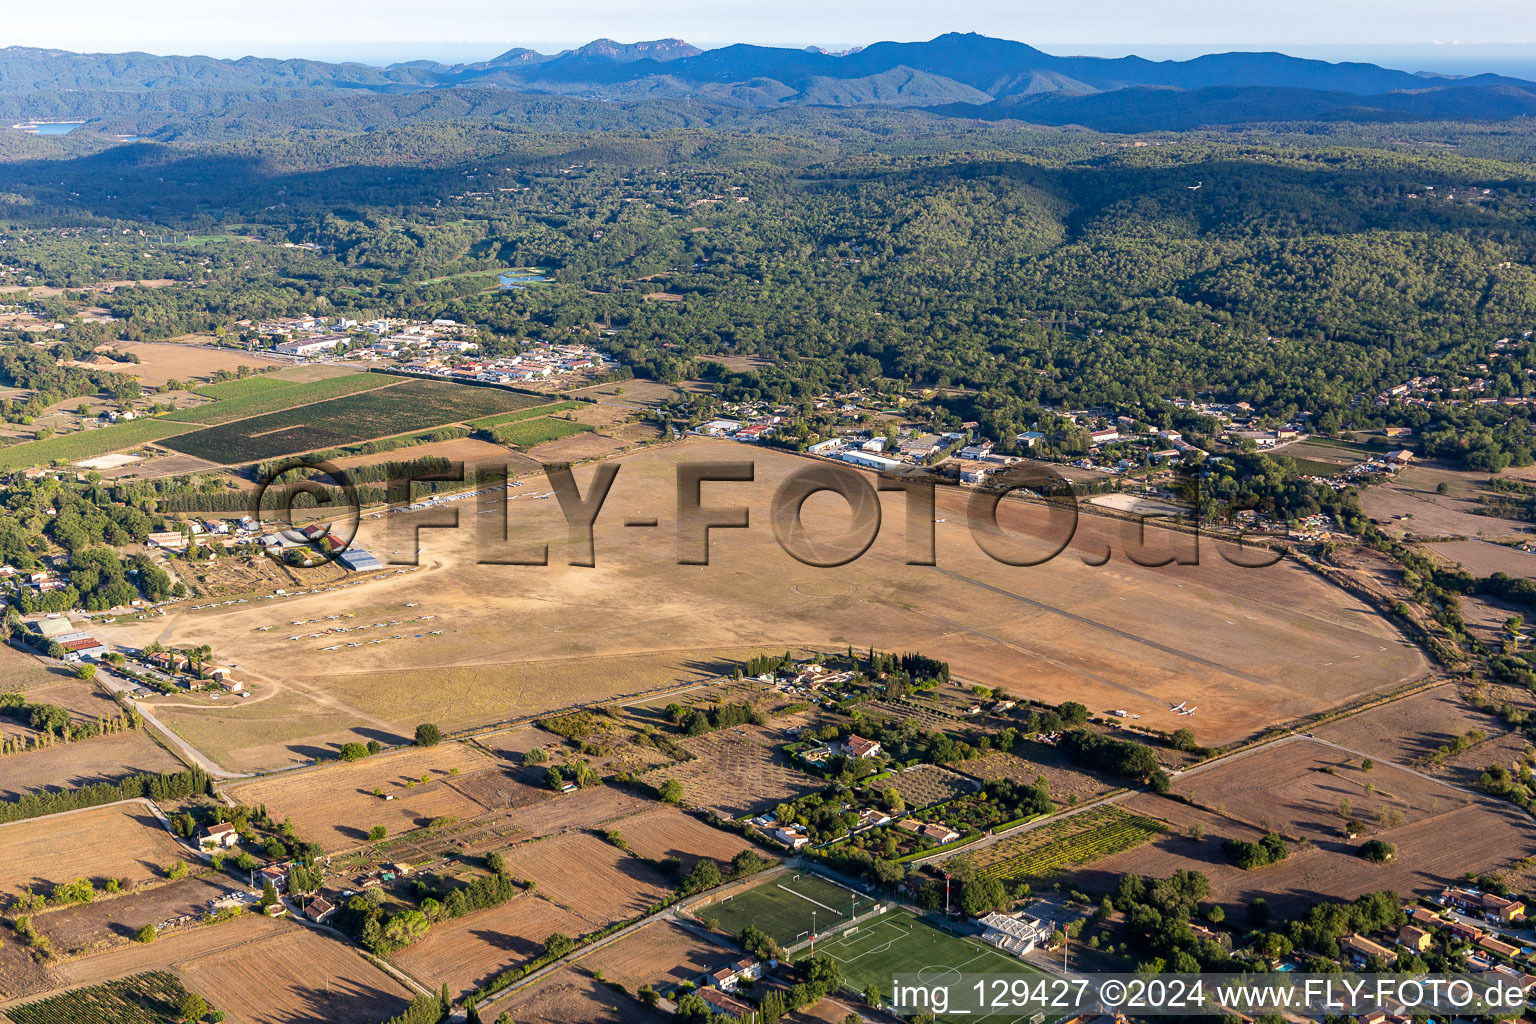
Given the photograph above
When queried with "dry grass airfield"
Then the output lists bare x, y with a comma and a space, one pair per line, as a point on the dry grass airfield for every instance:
1247, 646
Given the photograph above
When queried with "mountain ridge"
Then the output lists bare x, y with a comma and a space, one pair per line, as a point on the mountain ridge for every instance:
958, 74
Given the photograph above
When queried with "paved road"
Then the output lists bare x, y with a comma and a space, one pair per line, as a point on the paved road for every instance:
119, 685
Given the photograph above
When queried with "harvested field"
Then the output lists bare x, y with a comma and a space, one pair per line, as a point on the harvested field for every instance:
584, 874
738, 772
334, 805
1488, 836
1464, 769
24, 673
926, 784
469, 951
72, 765
1309, 789
1250, 647
1410, 505
1411, 729
1065, 782
98, 926
597, 808
661, 954
125, 841
298, 974
668, 832
464, 449
573, 995
161, 362
1481, 558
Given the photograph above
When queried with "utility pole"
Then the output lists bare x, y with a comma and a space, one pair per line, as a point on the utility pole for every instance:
813, 933
946, 895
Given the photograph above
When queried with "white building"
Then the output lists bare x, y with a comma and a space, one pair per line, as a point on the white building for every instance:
867, 461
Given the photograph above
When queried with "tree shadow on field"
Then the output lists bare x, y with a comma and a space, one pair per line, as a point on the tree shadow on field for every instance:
350, 832
516, 944
384, 736
339, 1001
312, 752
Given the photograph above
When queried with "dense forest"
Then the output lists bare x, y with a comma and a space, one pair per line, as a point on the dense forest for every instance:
1013, 269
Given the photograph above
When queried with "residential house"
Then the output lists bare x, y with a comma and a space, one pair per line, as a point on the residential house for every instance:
723, 1005
1497, 908
858, 746
1499, 947
276, 875
727, 978
319, 909
1414, 938
1361, 949
1104, 436
218, 837
940, 834
1029, 438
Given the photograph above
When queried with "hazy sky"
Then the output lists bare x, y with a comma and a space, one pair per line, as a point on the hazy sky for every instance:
1423, 33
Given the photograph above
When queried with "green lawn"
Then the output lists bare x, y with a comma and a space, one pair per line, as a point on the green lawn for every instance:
898, 942
786, 907
528, 433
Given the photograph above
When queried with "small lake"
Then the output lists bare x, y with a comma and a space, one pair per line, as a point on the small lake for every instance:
48, 127
520, 278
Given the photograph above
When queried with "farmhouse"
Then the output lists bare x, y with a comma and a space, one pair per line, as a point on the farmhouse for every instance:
724, 1005
728, 977
858, 746
218, 837
940, 834
319, 909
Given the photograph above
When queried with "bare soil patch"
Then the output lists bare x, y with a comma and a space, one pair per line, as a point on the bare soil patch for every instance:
738, 772
335, 804
98, 926
1411, 729
667, 832
589, 877
123, 841
298, 974
72, 765
469, 951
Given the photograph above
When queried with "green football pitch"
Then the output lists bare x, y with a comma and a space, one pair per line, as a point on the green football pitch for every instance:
789, 907
897, 942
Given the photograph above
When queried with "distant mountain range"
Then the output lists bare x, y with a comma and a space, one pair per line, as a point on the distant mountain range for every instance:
964, 75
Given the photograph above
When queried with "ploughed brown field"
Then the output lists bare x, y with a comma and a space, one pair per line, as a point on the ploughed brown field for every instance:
123, 841
661, 954
668, 832
469, 951
1248, 647
296, 974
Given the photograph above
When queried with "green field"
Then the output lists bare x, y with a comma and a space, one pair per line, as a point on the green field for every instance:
87, 444
259, 401
899, 942
524, 414
244, 387
1069, 842
142, 999
787, 907
528, 433
397, 407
